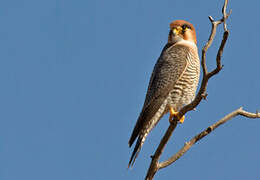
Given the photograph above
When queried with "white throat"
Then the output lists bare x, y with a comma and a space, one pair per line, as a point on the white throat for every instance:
186, 43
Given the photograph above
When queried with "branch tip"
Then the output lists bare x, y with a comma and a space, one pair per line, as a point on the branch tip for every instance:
155, 165
204, 96
211, 19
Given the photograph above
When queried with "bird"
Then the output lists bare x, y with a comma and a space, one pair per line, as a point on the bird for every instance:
172, 85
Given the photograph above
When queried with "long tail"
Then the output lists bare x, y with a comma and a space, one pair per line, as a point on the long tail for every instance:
140, 141
138, 145
141, 131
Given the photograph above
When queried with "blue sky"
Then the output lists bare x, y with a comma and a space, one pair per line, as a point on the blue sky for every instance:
73, 79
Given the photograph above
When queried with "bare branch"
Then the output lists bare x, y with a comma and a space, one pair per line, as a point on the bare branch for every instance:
204, 133
206, 75
155, 165
155, 159
223, 42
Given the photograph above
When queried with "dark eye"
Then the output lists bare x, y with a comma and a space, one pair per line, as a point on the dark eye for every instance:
185, 27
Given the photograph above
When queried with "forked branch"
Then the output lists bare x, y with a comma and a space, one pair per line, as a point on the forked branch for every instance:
155, 165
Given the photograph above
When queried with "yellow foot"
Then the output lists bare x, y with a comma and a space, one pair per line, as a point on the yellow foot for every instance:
175, 114
182, 119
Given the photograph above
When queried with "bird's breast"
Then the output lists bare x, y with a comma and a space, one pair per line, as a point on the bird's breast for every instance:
184, 89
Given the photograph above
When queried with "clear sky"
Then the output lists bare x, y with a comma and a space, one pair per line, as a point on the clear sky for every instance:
74, 75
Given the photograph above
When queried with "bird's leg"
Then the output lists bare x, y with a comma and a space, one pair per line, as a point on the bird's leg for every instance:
175, 114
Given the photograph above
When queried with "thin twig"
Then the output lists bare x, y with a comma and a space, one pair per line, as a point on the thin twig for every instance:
155, 165
204, 133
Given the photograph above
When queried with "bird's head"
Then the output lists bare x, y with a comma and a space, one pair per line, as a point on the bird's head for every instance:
181, 30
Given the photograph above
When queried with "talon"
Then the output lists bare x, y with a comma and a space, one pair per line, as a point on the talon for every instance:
182, 120
174, 113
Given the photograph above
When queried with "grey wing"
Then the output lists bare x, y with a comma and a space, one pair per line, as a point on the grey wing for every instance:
168, 69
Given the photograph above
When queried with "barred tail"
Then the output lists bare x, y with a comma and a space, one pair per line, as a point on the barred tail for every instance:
141, 139
144, 125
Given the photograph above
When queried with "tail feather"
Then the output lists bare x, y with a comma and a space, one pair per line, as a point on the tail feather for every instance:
138, 127
134, 135
136, 151
145, 123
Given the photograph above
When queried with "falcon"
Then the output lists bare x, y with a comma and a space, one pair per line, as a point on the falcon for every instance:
173, 82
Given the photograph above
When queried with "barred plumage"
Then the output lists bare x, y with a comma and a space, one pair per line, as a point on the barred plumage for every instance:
173, 82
